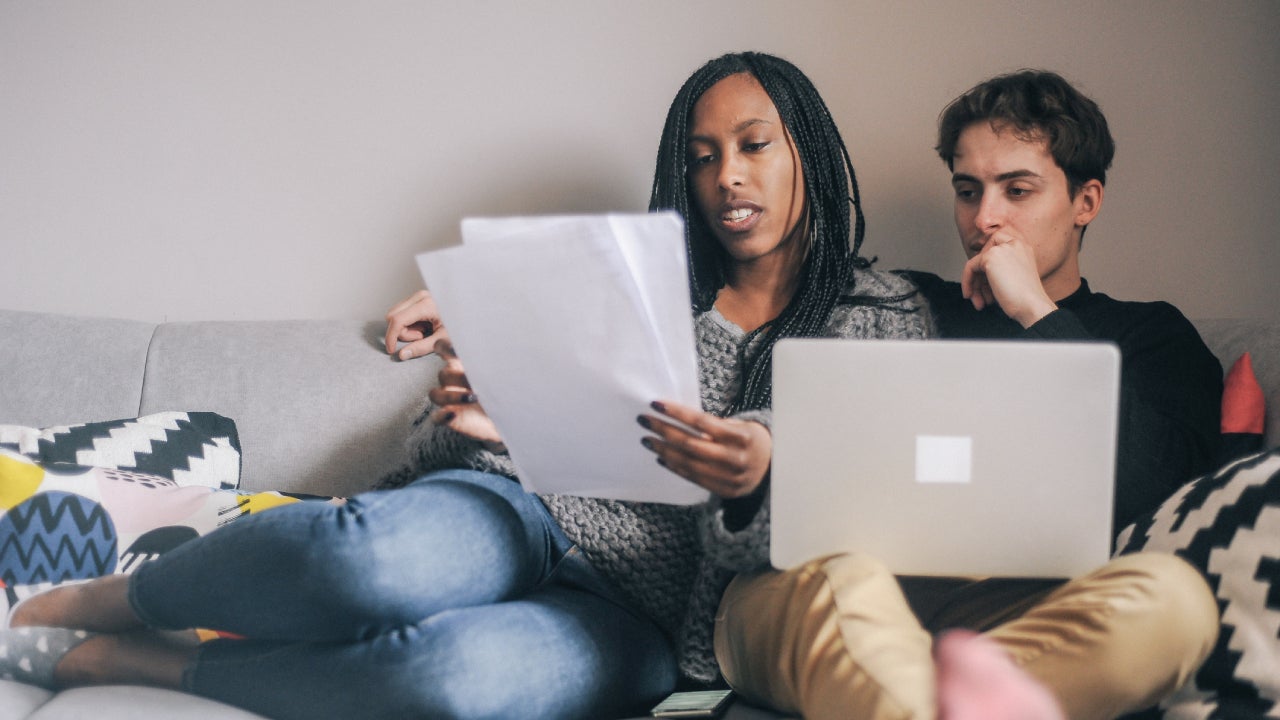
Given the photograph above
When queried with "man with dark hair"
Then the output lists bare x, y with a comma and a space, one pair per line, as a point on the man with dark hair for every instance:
1029, 155
842, 637
1036, 105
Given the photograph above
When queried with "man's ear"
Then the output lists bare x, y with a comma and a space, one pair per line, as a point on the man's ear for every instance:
1088, 202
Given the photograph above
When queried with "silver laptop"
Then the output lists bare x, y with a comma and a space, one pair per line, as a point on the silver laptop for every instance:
945, 457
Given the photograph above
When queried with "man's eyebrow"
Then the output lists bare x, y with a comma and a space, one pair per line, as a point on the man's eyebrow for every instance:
736, 129
1002, 177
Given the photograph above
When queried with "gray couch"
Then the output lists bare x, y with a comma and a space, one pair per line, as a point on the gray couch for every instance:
320, 409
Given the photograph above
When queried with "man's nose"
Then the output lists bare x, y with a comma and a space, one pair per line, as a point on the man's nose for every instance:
991, 213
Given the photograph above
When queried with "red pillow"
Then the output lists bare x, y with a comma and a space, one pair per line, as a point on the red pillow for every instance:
1244, 410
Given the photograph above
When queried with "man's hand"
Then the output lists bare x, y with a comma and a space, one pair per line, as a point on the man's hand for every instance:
415, 321
1004, 273
726, 456
456, 406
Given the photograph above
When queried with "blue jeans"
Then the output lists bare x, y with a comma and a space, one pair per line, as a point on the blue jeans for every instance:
455, 597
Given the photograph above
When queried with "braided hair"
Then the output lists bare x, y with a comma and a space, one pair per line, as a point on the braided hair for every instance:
830, 188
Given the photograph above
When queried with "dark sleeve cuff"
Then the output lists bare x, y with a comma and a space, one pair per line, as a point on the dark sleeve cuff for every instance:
1058, 325
739, 512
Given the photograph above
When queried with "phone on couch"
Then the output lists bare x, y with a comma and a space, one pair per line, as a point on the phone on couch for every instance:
693, 704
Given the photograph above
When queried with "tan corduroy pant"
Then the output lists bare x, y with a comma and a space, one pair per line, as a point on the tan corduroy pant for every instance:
837, 638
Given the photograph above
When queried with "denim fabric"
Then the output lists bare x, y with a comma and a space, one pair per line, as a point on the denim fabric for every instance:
455, 597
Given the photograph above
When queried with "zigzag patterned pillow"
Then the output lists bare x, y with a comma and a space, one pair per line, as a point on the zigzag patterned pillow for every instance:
61, 522
190, 448
1228, 525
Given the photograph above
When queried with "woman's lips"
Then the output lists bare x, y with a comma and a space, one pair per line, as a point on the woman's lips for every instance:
738, 216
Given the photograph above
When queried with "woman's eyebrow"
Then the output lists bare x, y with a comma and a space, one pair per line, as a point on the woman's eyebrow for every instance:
736, 129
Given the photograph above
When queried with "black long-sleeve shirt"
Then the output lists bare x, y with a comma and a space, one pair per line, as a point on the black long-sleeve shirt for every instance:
1171, 384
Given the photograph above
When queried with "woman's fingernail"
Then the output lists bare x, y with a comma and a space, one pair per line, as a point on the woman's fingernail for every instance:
647, 443
406, 353
662, 462
657, 405
468, 398
447, 417
644, 422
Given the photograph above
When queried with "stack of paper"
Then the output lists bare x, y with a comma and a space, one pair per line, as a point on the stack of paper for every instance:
568, 328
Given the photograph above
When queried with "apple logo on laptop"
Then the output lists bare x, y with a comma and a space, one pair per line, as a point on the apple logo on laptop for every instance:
944, 458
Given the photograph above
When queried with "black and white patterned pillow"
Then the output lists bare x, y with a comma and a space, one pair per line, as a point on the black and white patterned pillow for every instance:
190, 448
1228, 525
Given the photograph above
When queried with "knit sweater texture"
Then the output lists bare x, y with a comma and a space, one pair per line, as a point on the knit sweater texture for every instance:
673, 562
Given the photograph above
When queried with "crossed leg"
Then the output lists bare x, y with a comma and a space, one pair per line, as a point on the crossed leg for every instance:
836, 638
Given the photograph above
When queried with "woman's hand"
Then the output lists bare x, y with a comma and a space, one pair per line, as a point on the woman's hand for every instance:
415, 321
726, 456
456, 406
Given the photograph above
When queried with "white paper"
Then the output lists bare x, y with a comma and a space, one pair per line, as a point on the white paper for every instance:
568, 327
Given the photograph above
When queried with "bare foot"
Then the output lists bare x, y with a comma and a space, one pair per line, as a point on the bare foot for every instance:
978, 681
100, 605
116, 648
134, 658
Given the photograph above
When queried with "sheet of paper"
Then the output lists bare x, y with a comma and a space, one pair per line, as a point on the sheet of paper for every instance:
568, 327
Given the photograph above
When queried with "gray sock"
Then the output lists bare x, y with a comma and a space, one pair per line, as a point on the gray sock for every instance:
29, 654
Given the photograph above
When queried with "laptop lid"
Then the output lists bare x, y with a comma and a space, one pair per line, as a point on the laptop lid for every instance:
945, 457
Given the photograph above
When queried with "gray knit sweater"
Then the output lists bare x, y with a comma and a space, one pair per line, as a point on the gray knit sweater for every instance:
673, 562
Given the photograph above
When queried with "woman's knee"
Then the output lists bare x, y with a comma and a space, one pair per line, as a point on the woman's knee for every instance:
441, 513
449, 543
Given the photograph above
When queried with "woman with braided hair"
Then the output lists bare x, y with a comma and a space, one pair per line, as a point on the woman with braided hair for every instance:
449, 592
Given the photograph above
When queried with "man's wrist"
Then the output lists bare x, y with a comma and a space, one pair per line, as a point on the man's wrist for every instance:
1035, 313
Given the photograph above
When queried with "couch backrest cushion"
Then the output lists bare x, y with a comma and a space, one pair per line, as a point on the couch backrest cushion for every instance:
319, 406
63, 370
1229, 338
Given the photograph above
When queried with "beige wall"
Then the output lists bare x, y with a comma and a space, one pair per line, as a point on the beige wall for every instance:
242, 159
